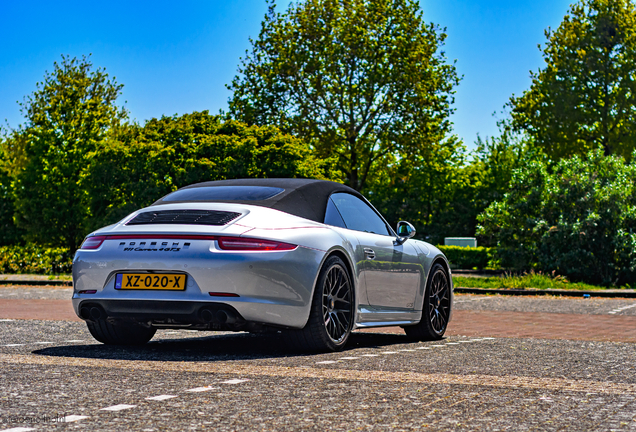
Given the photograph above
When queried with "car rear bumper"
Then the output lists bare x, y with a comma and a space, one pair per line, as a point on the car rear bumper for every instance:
161, 313
272, 288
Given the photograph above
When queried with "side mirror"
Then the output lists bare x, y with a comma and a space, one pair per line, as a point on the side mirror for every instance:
404, 231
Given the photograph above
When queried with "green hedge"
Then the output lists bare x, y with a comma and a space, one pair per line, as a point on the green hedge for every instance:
33, 259
468, 257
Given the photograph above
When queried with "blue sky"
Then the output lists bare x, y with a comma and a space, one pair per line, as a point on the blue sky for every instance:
176, 57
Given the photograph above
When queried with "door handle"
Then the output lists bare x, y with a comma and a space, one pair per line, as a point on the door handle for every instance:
369, 253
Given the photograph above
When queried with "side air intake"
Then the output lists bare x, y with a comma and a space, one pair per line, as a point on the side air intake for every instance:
184, 217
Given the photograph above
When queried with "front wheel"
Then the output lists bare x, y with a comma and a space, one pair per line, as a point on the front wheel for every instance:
332, 310
120, 334
436, 307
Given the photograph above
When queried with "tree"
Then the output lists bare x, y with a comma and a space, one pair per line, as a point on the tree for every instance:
443, 192
585, 95
364, 80
576, 218
489, 175
9, 233
494, 161
140, 165
67, 118
422, 189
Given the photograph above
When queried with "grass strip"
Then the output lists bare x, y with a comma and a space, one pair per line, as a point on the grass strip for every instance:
526, 281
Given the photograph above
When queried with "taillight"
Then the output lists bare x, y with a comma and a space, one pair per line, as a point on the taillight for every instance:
244, 244
225, 243
93, 242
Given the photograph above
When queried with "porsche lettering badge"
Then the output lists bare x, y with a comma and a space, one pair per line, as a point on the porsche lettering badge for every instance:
152, 246
141, 249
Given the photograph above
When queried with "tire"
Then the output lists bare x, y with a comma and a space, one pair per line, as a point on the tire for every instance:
120, 334
332, 311
436, 308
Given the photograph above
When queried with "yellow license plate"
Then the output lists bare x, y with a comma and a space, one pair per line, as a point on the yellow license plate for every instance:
150, 281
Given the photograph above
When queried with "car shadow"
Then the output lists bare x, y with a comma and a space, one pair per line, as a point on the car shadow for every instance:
223, 347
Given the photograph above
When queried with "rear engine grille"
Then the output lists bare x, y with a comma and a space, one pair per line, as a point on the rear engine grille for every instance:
184, 217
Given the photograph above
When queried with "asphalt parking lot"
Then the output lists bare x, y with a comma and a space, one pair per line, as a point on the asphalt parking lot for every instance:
505, 365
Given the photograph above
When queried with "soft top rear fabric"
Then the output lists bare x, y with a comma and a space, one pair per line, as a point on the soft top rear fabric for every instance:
305, 198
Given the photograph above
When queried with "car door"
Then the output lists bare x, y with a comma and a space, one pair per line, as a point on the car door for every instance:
391, 272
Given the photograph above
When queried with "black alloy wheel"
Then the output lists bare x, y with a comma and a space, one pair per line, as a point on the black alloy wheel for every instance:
332, 311
439, 302
337, 313
436, 307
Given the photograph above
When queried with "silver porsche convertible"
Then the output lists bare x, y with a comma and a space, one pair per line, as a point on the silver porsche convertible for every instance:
310, 259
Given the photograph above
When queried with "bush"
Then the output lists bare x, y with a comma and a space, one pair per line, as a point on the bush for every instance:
467, 257
34, 259
576, 219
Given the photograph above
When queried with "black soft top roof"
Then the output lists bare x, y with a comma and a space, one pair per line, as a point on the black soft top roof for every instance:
305, 198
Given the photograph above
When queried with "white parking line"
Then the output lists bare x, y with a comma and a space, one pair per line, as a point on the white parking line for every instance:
118, 407
161, 397
18, 429
405, 350
73, 418
621, 309
6, 320
201, 389
234, 381
43, 343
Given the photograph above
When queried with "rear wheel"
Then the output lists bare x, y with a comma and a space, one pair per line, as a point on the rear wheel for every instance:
120, 334
332, 310
436, 307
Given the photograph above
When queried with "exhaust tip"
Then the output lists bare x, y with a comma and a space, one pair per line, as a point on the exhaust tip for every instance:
207, 315
225, 317
85, 313
95, 313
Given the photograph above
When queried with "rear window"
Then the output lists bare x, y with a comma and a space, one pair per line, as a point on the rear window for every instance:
223, 193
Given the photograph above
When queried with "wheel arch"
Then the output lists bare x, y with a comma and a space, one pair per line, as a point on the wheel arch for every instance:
315, 335
344, 256
441, 259
423, 330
